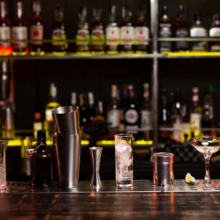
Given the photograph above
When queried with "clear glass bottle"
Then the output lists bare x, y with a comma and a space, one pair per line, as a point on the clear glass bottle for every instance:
146, 114
97, 32
141, 32
49, 107
198, 31
214, 31
41, 163
195, 115
165, 31
73, 99
83, 35
19, 32
113, 113
112, 32
59, 43
127, 31
91, 110
37, 30
5, 35
180, 30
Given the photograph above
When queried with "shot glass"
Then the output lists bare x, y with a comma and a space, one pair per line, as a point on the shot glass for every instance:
124, 160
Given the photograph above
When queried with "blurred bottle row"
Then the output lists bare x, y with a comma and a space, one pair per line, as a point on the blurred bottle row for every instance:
96, 37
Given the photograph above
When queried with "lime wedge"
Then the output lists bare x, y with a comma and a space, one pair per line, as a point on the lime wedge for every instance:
190, 179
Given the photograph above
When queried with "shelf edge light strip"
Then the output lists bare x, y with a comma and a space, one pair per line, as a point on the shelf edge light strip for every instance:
136, 143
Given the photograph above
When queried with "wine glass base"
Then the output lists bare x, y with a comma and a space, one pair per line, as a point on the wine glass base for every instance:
207, 185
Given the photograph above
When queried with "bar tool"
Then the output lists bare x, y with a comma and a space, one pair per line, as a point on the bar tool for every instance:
95, 153
67, 144
163, 169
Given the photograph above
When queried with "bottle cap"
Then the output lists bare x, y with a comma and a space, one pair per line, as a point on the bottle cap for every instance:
112, 10
198, 17
91, 98
37, 115
82, 11
73, 98
41, 135
59, 11
146, 86
195, 90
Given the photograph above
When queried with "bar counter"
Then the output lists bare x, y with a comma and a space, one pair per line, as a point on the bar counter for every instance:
109, 205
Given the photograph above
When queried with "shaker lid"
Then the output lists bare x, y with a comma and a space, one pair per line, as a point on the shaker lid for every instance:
163, 157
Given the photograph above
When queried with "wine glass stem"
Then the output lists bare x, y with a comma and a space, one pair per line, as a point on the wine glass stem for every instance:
207, 175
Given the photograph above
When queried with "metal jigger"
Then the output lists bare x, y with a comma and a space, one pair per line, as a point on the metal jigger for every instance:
95, 153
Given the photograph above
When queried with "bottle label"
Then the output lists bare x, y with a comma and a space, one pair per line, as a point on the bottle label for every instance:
146, 119
20, 36
214, 32
177, 126
131, 116
198, 32
165, 32
36, 33
48, 115
141, 35
112, 38
181, 33
82, 37
5, 36
59, 37
114, 118
98, 37
127, 37
195, 123
215, 47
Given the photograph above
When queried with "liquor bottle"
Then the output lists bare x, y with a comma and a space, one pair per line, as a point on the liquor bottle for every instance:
83, 108
177, 117
59, 44
97, 33
214, 31
131, 113
41, 163
164, 118
73, 99
37, 30
141, 32
180, 30
5, 36
37, 125
208, 110
165, 31
195, 115
19, 33
127, 31
82, 35
49, 107
112, 32
146, 114
198, 31
91, 109
113, 112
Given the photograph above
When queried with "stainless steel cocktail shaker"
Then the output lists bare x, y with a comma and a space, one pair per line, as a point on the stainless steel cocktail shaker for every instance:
67, 145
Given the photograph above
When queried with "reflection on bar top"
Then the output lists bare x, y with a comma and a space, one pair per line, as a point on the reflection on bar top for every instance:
15, 143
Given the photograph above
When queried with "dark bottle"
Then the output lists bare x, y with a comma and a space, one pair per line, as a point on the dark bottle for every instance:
82, 35
131, 113
214, 31
97, 32
141, 32
198, 31
180, 30
165, 31
127, 31
19, 32
91, 109
37, 30
112, 32
84, 111
5, 35
164, 118
59, 44
41, 163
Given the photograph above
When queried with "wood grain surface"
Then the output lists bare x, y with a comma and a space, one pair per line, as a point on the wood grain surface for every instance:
188, 206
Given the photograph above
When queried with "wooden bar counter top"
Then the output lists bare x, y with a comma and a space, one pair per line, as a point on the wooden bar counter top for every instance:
144, 201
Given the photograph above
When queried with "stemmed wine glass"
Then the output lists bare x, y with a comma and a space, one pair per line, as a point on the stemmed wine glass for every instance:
207, 146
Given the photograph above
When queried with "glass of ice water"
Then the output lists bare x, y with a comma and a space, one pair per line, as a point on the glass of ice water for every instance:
124, 160
3, 147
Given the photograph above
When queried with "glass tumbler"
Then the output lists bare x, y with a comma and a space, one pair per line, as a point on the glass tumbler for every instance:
124, 160
3, 148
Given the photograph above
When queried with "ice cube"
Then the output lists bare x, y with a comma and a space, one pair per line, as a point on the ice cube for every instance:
124, 150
